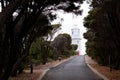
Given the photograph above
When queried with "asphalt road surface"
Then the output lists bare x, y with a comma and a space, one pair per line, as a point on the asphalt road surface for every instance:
73, 69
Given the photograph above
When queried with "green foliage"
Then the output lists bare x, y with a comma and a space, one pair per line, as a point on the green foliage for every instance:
63, 40
55, 28
74, 46
21, 22
35, 50
103, 32
40, 50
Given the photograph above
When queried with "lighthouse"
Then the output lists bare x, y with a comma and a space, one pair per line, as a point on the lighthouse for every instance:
75, 34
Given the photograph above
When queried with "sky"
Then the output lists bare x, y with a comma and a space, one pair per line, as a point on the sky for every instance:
69, 21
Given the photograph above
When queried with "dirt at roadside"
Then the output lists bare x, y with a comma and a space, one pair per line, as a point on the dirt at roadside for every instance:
114, 75
37, 71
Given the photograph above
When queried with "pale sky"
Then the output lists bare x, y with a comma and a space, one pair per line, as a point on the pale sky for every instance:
70, 20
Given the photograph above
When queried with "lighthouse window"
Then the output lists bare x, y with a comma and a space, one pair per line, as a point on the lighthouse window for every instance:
77, 41
72, 32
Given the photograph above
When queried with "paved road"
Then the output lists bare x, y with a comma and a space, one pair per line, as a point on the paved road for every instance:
74, 69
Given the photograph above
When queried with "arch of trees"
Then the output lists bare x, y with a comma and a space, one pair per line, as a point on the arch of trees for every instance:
103, 31
21, 22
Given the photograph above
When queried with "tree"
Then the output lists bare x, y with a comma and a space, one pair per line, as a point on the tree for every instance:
103, 24
74, 46
60, 44
17, 32
56, 28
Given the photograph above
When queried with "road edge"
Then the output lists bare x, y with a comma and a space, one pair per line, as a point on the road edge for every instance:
95, 71
45, 71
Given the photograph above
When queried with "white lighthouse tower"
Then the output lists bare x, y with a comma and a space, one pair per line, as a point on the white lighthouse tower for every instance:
76, 37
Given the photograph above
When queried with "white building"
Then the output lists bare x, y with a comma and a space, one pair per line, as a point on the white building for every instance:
76, 37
